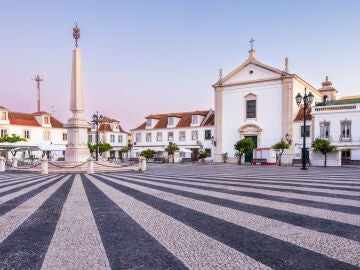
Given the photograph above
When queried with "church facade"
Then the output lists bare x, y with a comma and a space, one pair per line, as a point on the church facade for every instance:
258, 101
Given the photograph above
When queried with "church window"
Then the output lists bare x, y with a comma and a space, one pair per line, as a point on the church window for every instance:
251, 109
325, 130
306, 132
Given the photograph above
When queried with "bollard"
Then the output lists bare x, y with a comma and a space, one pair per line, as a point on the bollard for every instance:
90, 165
142, 163
2, 164
14, 162
44, 166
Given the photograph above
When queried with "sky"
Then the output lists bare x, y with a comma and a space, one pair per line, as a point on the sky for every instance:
142, 57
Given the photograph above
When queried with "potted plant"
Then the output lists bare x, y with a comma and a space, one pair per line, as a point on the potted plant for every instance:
280, 148
242, 147
225, 157
170, 149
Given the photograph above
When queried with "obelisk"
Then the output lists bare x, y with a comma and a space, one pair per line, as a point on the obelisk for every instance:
77, 126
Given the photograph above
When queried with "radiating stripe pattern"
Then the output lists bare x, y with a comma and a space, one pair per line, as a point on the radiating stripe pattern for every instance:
182, 217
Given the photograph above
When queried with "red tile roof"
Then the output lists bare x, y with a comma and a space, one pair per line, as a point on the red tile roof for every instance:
210, 121
300, 115
185, 120
28, 119
24, 119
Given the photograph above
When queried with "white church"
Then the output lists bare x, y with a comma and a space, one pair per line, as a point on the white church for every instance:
242, 108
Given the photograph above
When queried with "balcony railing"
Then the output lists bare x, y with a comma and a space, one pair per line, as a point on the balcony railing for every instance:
338, 102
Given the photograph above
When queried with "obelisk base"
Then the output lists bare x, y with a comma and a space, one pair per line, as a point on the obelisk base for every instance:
77, 149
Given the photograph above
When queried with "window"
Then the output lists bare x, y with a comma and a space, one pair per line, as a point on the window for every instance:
159, 136
138, 137
3, 116
170, 136
47, 135
182, 154
148, 137
27, 134
64, 136
46, 120
3, 132
120, 138
194, 135
208, 134
345, 130
182, 136
112, 138
170, 121
251, 109
90, 138
307, 131
194, 119
325, 130
208, 150
148, 123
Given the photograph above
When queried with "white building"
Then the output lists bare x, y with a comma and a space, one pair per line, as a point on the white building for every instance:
191, 131
111, 132
258, 101
339, 122
43, 133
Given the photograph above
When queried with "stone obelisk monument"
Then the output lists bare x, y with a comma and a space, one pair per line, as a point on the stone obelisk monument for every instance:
77, 149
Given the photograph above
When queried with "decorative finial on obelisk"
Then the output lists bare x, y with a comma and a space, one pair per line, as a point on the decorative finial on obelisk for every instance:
76, 34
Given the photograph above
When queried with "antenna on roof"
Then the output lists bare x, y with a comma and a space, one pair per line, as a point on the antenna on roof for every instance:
38, 80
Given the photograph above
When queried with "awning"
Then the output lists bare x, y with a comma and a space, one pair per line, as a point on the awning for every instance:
52, 147
184, 150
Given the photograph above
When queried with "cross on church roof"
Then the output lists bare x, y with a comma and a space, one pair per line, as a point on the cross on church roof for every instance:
252, 43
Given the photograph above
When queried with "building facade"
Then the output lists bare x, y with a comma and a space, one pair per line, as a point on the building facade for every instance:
258, 101
111, 132
191, 131
42, 132
339, 122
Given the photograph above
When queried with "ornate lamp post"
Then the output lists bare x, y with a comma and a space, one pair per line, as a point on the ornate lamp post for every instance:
307, 99
96, 121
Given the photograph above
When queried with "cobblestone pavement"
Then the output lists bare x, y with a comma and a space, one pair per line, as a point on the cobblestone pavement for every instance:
182, 217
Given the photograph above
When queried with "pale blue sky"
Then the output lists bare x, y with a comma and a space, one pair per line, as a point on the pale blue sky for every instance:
144, 57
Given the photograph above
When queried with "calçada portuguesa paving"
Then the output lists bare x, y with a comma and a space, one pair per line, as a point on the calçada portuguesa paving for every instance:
182, 217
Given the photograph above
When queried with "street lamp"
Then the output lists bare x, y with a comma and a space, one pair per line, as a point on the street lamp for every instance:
96, 120
307, 99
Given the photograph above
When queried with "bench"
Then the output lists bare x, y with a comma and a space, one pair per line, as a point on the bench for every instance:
297, 161
156, 160
187, 160
259, 161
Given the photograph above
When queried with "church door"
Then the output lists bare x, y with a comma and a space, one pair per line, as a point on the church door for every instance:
249, 156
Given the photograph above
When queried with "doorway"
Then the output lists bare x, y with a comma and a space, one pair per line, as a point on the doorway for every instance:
249, 156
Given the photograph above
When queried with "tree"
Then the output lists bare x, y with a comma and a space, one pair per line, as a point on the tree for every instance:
170, 149
324, 147
280, 148
91, 148
148, 153
103, 147
242, 147
202, 155
11, 139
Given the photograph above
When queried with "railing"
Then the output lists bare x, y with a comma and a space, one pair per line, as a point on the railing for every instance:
338, 102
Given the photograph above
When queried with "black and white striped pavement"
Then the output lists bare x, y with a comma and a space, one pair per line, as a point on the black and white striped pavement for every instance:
182, 216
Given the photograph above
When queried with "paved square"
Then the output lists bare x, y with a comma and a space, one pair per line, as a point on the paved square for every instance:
182, 216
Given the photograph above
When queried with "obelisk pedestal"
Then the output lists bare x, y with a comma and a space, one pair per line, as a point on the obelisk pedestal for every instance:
77, 126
